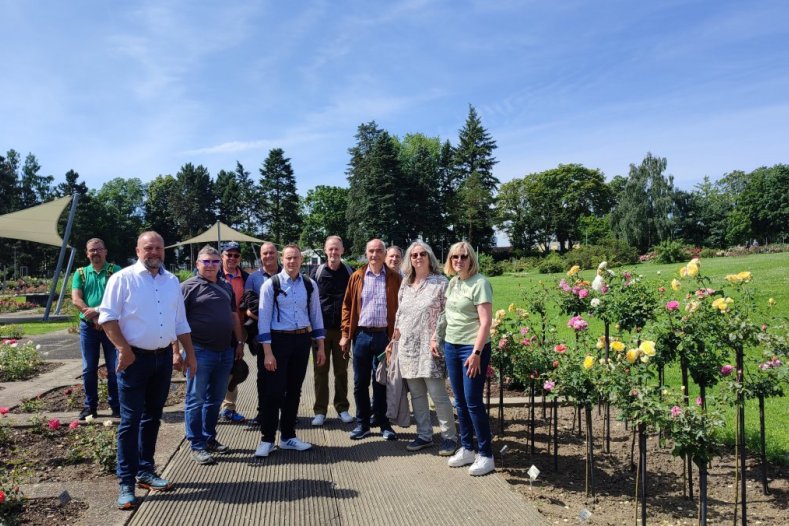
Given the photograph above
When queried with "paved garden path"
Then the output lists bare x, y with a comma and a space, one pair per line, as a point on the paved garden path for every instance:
339, 481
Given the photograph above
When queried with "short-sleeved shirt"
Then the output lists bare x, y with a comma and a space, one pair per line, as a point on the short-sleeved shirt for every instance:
461, 308
93, 284
257, 278
209, 310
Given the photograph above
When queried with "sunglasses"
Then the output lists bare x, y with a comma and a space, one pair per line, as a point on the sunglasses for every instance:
210, 261
462, 257
415, 255
233, 256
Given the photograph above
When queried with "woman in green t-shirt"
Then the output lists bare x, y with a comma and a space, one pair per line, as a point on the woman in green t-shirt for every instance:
467, 317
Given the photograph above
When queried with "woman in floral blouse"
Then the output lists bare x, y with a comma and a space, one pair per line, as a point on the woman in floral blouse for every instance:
421, 302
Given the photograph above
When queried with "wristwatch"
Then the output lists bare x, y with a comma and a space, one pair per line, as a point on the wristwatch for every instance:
477, 352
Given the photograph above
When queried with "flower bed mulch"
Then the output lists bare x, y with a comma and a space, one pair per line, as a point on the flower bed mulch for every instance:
560, 496
72, 398
39, 512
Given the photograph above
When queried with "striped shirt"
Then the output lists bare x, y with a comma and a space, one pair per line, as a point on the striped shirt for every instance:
373, 310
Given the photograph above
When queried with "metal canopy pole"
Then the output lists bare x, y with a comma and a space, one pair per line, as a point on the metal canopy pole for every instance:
62, 255
65, 280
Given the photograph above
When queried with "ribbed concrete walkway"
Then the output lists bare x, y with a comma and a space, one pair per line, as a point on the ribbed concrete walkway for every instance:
339, 481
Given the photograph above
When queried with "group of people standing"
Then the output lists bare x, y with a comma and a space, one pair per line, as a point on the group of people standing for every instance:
394, 311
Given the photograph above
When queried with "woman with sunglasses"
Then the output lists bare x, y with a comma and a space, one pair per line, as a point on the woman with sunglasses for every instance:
420, 304
465, 328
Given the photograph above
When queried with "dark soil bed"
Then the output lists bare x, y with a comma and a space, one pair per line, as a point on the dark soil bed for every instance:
559, 493
50, 511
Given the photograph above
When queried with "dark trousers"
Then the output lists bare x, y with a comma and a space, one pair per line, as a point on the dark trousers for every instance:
261, 379
92, 341
283, 386
142, 388
366, 348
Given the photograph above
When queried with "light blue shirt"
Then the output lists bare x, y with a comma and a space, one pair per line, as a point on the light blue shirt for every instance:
292, 312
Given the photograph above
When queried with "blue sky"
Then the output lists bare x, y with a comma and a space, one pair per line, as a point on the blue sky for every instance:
137, 89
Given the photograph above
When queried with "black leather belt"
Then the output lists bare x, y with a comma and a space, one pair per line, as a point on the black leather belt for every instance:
151, 351
372, 329
305, 330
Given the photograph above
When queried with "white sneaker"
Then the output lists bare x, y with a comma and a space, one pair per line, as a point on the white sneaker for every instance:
346, 417
462, 457
264, 449
481, 466
294, 443
318, 420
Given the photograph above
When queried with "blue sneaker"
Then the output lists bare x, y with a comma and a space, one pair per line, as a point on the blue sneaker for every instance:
126, 499
359, 432
233, 416
151, 481
419, 443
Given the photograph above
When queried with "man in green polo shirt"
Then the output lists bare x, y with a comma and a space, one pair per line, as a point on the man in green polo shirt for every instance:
87, 289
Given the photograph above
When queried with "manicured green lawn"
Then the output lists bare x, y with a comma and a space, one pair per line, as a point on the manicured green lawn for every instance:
770, 280
35, 328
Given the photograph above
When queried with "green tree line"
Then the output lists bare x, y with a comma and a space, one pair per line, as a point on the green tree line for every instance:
403, 188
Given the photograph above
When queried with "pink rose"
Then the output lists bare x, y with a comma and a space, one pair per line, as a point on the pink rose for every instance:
4, 411
53, 424
549, 385
564, 286
726, 370
560, 348
676, 411
74, 424
524, 330
672, 305
502, 343
491, 372
577, 323
555, 364
699, 401
583, 293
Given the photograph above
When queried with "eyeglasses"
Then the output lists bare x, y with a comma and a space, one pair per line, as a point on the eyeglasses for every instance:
210, 261
96, 250
462, 257
233, 256
415, 255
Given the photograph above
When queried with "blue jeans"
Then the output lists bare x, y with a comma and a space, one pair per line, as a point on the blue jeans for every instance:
472, 416
204, 394
91, 341
142, 388
366, 348
283, 386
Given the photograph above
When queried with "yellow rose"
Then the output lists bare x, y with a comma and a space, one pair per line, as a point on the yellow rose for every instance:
675, 284
600, 342
693, 269
575, 269
632, 355
733, 278
722, 304
500, 314
683, 272
695, 261
644, 358
588, 362
511, 308
745, 276
771, 302
617, 346
691, 306
647, 347
522, 313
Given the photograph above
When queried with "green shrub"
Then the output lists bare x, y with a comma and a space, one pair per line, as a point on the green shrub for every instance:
96, 443
671, 252
488, 266
11, 331
516, 265
552, 263
18, 361
183, 275
707, 253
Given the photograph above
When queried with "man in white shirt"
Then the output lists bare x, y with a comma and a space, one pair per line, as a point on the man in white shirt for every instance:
143, 313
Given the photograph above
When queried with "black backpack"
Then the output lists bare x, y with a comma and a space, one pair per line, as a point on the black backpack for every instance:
278, 290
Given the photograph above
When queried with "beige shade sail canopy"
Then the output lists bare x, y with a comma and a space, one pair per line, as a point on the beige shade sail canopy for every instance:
216, 234
38, 223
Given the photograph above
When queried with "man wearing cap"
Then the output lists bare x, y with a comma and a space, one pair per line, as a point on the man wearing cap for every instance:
332, 279
142, 312
236, 277
269, 265
368, 315
212, 313
87, 289
290, 316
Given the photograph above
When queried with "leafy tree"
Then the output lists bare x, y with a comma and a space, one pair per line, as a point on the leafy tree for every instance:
122, 204
376, 200
194, 204
448, 186
765, 203
280, 210
642, 216
34, 189
8, 181
160, 197
419, 158
70, 186
473, 162
324, 208
550, 205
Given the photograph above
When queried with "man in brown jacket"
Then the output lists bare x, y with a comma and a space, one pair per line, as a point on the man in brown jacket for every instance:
368, 316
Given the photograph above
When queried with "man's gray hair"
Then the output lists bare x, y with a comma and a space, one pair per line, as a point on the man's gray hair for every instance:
208, 250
